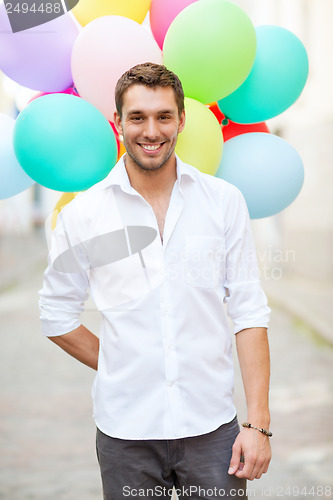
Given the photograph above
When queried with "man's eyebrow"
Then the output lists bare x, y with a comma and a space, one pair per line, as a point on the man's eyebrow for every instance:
160, 112
167, 112
135, 112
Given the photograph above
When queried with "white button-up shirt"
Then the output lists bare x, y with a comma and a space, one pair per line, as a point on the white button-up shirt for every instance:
165, 367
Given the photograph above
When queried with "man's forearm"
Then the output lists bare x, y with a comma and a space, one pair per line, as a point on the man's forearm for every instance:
252, 445
254, 360
80, 343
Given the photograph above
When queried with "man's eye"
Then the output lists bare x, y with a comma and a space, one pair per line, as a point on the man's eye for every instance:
164, 117
137, 118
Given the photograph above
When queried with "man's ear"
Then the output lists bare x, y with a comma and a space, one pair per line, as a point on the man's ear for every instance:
181, 122
117, 123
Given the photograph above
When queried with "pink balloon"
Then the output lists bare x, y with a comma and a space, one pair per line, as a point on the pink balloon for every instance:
162, 13
103, 51
70, 91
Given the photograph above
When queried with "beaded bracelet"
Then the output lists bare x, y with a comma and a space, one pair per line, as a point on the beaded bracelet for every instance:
263, 431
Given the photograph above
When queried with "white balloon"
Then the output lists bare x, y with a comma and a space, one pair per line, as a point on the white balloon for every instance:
103, 51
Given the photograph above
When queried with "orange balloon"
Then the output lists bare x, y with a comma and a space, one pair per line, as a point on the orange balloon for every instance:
122, 150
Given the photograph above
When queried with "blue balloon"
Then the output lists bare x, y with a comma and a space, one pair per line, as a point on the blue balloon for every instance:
64, 142
13, 178
276, 80
267, 170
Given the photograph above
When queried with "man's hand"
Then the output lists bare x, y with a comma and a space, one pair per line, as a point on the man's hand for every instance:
256, 450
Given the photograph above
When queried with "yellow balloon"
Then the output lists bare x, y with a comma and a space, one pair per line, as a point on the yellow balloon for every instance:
88, 10
201, 142
61, 203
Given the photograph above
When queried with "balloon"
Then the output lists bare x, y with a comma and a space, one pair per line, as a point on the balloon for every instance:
201, 142
88, 10
122, 150
277, 78
64, 199
40, 57
104, 50
116, 134
162, 13
70, 91
213, 106
13, 177
120, 146
266, 169
70, 152
231, 129
211, 46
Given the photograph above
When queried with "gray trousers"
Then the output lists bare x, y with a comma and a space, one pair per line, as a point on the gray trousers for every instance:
196, 466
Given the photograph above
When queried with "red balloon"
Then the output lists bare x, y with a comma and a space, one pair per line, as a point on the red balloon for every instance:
231, 129
116, 136
214, 107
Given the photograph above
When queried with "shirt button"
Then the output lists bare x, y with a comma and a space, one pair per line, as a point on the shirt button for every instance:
170, 383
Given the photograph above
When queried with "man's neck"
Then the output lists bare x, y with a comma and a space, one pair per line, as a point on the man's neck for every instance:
152, 183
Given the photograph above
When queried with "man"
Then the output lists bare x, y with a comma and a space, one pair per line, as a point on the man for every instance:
161, 247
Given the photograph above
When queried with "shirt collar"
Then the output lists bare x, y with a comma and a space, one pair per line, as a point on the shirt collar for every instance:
119, 177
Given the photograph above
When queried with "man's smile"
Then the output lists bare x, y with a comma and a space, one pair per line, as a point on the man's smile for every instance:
151, 148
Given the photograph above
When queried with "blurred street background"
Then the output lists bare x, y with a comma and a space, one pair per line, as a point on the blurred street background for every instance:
47, 432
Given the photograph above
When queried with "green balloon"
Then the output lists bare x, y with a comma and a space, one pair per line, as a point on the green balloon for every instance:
211, 46
276, 80
64, 143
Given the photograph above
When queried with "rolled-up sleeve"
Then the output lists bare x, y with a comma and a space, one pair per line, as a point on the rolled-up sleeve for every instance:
61, 300
246, 300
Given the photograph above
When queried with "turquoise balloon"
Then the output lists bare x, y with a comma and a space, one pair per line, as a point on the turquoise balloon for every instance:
266, 169
64, 143
276, 80
13, 178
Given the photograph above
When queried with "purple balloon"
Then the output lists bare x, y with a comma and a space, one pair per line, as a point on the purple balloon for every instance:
38, 58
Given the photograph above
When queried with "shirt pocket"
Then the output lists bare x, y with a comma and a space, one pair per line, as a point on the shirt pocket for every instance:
202, 265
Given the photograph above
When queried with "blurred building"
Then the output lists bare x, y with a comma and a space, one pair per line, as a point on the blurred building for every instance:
305, 229
300, 237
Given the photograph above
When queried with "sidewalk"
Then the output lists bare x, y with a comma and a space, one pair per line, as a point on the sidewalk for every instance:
48, 433
20, 256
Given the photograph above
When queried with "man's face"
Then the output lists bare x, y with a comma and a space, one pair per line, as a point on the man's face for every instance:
150, 125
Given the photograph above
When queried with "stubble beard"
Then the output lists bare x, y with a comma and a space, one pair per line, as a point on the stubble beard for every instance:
149, 169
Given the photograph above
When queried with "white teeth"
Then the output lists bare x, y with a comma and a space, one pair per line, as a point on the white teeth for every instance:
152, 147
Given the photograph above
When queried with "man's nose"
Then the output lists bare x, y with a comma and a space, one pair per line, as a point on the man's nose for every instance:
151, 129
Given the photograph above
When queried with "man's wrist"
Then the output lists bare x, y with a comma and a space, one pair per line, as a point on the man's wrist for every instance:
266, 432
259, 418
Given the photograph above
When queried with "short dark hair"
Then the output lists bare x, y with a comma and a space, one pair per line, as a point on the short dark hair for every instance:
152, 75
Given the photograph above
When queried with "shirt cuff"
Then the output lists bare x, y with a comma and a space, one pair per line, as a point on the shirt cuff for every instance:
57, 322
247, 306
